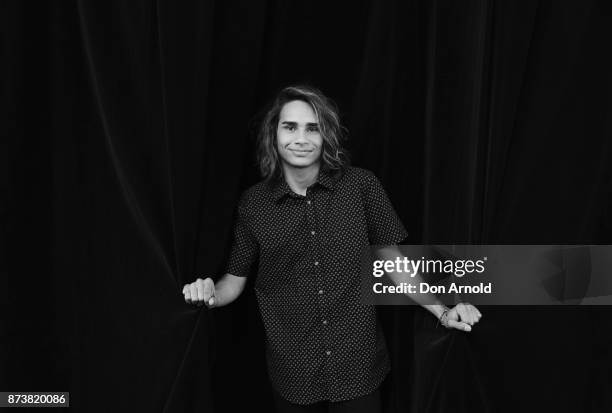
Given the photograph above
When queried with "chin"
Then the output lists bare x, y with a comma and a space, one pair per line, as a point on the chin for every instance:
300, 164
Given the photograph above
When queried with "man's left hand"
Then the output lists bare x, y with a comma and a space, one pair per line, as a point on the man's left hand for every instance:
461, 317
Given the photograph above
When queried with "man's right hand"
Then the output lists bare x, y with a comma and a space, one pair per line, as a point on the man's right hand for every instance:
200, 292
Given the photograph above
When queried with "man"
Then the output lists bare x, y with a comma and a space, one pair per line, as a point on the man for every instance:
305, 225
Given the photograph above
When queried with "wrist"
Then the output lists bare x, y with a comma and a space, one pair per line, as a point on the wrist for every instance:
440, 309
443, 317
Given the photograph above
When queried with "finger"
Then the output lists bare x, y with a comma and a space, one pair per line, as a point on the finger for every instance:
194, 293
459, 325
207, 289
469, 311
474, 313
187, 293
470, 316
200, 286
196, 298
211, 302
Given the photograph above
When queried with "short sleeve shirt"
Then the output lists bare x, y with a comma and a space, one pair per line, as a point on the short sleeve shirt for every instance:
321, 342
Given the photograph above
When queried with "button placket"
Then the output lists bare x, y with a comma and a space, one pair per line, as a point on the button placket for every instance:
316, 266
310, 219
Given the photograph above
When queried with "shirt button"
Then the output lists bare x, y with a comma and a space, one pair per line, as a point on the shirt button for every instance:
308, 202
312, 232
324, 322
320, 292
328, 352
316, 263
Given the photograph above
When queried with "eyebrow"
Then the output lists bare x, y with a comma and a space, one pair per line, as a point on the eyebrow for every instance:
290, 123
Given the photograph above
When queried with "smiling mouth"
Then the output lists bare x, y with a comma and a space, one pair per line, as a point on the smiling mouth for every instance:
300, 151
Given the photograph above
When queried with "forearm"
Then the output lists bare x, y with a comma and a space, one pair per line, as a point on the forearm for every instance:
427, 300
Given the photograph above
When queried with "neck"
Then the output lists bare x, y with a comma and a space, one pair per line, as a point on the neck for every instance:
299, 179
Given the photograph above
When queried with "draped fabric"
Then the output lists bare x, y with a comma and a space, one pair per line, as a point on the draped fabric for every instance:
127, 138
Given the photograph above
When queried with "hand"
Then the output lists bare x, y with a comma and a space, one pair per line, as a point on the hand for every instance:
200, 292
462, 317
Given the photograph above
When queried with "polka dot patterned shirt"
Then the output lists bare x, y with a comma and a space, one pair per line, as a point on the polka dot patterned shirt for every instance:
321, 342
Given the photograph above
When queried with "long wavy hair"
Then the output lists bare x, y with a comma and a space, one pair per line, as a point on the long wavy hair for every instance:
334, 156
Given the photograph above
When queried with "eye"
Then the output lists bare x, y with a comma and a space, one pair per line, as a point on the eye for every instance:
312, 129
290, 128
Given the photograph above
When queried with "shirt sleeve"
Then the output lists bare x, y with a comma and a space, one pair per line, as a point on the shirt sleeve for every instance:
384, 226
245, 248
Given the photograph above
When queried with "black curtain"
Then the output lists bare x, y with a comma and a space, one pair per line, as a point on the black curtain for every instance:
127, 138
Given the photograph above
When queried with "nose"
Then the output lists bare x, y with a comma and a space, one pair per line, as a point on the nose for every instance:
301, 138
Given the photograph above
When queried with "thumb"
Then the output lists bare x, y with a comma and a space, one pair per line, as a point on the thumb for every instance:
459, 325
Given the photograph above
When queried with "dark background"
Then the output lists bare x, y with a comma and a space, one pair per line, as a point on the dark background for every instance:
127, 140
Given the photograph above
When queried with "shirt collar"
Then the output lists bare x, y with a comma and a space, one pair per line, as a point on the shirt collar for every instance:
326, 179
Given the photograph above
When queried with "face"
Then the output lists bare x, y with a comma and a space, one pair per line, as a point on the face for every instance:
297, 136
